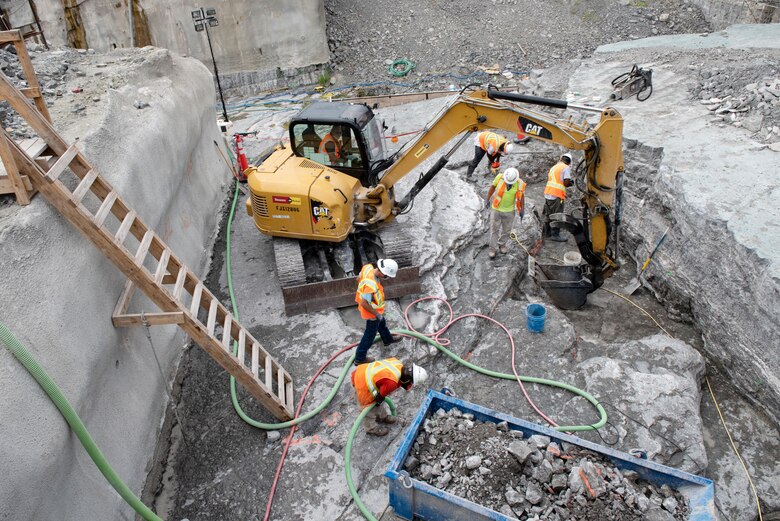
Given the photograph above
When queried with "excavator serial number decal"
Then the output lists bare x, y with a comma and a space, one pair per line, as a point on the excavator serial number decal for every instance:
532, 128
422, 150
287, 209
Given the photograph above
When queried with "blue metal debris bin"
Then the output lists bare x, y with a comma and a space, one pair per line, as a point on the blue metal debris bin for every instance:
413, 499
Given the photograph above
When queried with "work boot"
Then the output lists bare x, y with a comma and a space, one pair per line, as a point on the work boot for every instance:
396, 338
492, 253
503, 248
368, 360
389, 420
378, 431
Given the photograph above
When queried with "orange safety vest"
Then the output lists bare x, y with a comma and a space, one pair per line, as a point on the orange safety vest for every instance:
367, 283
555, 186
518, 195
329, 139
488, 139
365, 377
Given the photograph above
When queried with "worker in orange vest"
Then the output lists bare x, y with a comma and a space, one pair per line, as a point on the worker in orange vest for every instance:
558, 179
375, 381
505, 197
370, 298
492, 144
332, 144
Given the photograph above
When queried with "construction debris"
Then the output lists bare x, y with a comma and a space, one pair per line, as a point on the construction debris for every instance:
533, 478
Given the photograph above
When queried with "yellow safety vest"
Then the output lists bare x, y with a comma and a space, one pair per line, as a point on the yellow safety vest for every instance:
366, 376
555, 186
518, 195
367, 283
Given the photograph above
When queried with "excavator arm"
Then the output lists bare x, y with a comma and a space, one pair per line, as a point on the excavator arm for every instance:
598, 176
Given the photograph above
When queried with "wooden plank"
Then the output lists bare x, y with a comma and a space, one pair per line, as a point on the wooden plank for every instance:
289, 398
269, 372
10, 36
195, 304
33, 147
255, 359
212, 320
280, 383
226, 336
31, 92
123, 302
143, 248
32, 116
63, 162
241, 345
121, 233
105, 208
162, 266
84, 186
179, 283
153, 319
32, 79
12, 170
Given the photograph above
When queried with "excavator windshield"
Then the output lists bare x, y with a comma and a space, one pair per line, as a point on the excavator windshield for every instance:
375, 143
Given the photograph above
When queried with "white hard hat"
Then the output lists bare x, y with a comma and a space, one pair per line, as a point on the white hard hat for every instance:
419, 375
508, 148
567, 155
511, 175
388, 267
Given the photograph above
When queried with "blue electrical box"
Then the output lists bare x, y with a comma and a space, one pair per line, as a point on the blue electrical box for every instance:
414, 499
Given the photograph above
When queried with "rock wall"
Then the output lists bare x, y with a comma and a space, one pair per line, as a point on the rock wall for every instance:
722, 13
59, 292
253, 37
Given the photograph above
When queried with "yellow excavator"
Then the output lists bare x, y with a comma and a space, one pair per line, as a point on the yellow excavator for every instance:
328, 199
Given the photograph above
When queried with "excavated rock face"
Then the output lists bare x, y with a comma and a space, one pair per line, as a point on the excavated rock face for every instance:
533, 478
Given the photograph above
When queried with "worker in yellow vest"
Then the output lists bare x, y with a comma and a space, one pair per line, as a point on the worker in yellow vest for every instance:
370, 298
505, 197
375, 381
492, 144
558, 179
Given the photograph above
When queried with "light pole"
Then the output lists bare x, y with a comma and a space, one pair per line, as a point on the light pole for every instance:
203, 19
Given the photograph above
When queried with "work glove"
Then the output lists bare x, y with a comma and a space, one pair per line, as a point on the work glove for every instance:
379, 400
495, 164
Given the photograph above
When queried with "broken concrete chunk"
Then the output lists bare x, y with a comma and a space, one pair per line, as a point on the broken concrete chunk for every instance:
412, 463
473, 462
586, 479
444, 480
520, 450
670, 504
533, 493
559, 482
543, 473
503, 426
539, 441
272, 436
513, 497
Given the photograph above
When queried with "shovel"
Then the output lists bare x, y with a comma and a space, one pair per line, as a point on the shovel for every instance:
634, 284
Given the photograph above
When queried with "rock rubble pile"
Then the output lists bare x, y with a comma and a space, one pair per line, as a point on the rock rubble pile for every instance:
746, 97
534, 478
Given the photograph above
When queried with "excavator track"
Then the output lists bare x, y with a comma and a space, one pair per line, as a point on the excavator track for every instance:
289, 262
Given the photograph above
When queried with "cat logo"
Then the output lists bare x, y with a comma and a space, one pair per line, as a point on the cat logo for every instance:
532, 128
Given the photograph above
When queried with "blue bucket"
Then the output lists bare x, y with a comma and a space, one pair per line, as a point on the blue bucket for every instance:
535, 315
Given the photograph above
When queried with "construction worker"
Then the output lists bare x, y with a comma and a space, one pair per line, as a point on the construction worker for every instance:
370, 298
377, 380
505, 197
492, 144
558, 179
331, 144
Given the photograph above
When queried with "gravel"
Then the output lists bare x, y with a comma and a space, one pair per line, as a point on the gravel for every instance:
533, 478
458, 42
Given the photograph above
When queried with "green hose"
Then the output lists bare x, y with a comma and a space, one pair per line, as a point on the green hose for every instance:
70, 415
348, 458
408, 65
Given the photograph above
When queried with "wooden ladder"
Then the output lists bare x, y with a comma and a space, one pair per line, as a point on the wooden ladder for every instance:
75, 188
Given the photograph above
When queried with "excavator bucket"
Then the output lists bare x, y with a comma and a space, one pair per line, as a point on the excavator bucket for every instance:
340, 293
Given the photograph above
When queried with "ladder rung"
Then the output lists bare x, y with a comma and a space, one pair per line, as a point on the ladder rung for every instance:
269, 374
226, 327
212, 316
280, 383
255, 358
143, 248
84, 186
105, 208
63, 162
242, 346
162, 266
127, 222
195, 304
180, 278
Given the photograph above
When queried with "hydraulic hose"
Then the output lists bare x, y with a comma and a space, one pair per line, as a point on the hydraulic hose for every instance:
78, 427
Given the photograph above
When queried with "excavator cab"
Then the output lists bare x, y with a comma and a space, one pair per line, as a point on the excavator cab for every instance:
343, 136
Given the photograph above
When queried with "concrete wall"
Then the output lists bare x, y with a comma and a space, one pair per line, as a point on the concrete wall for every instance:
58, 293
253, 35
